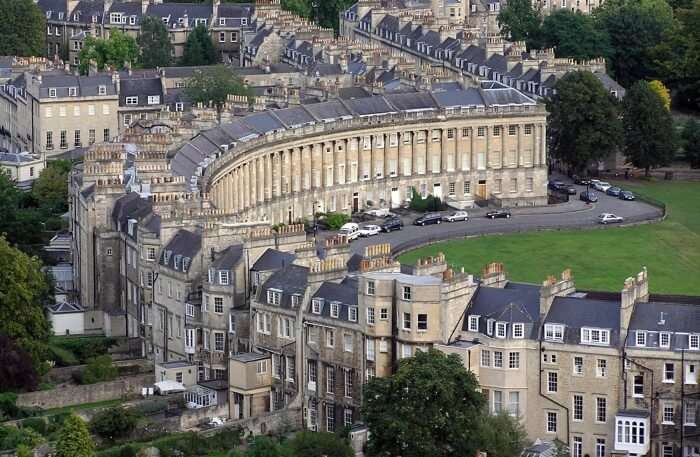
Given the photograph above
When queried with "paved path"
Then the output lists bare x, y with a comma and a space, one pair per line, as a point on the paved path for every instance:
574, 214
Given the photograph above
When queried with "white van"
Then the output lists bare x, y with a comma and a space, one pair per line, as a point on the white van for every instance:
351, 230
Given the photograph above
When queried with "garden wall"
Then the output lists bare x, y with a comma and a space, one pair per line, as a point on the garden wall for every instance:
92, 393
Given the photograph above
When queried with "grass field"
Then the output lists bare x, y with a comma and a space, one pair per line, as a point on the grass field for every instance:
599, 259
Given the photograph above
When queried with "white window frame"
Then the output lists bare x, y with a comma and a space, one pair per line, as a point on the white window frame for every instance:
554, 332
518, 330
474, 323
501, 328
132, 100
694, 341
274, 297
316, 305
672, 379
335, 310
640, 339
352, 313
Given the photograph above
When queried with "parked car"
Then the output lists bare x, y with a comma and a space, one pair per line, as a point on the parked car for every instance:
581, 180
351, 230
555, 185
588, 196
370, 230
499, 214
602, 186
609, 218
427, 219
378, 212
626, 195
456, 216
614, 191
392, 224
571, 190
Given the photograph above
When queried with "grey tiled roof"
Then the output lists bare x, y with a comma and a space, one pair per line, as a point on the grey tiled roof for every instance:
141, 88
507, 96
130, 206
370, 106
294, 117
229, 258
412, 102
272, 259
457, 98
345, 295
65, 308
347, 93
86, 86
176, 11
290, 280
13, 157
181, 248
514, 303
576, 313
262, 122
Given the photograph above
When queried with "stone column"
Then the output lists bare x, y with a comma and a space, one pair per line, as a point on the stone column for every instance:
254, 183
278, 174
268, 176
261, 178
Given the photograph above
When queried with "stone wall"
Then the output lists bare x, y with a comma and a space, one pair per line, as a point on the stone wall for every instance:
194, 417
75, 395
65, 374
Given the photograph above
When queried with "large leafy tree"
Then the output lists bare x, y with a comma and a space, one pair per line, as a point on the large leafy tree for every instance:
574, 35
214, 85
154, 43
24, 291
16, 369
662, 91
50, 190
116, 51
503, 435
23, 30
691, 142
519, 20
635, 27
74, 439
114, 423
584, 123
648, 127
430, 406
199, 49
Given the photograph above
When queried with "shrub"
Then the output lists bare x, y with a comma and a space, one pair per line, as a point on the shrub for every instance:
114, 423
8, 407
38, 424
127, 451
420, 204
152, 407
63, 357
16, 437
336, 220
84, 349
99, 369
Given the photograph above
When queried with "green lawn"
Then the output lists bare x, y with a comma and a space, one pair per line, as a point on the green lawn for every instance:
70, 409
599, 259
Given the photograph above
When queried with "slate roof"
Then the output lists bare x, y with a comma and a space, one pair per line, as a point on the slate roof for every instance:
328, 111
458, 98
575, 313
514, 303
86, 85
345, 295
370, 106
507, 96
262, 122
679, 319
185, 244
293, 117
421, 101
325, 69
86, 9
290, 280
175, 11
229, 258
141, 88
272, 259
130, 206
249, 357
347, 93
14, 157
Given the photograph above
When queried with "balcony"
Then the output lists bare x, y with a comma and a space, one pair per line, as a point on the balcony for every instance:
193, 317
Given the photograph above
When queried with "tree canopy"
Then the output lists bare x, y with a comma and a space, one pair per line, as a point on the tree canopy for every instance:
503, 435
662, 91
199, 48
116, 51
114, 423
519, 20
584, 123
214, 85
319, 444
74, 439
690, 137
573, 35
24, 291
154, 43
16, 369
23, 31
430, 406
648, 127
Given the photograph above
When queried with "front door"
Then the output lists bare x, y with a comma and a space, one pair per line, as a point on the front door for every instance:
355, 202
481, 189
395, 197
437, 190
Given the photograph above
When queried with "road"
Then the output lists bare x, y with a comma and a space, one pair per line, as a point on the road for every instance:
574, 214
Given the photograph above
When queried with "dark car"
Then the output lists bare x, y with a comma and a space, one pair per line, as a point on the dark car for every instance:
614, 191
427, 219
498, 214
391, 224
588, 196
556, 185
571, 190
626, 195
581, 180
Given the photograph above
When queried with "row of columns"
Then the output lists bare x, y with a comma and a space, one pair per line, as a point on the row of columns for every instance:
376, 156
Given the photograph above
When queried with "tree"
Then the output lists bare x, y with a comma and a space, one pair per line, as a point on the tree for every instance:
264, 446
114, 423
503, 435
430, 406
16, 369
50, 190
663, 93
154, 43
573, 35
199, 49
214, 85
116, 52
24, 291
648, 128
691, 142
519, 20
584, 124
23, 31
319, 444
646, 21
99, 369
74, 439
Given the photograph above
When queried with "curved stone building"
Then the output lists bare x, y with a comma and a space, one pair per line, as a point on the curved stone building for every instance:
485, 143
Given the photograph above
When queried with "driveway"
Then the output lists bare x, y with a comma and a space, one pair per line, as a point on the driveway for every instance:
574, 214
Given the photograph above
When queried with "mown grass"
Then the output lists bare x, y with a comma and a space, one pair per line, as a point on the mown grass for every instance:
599, 259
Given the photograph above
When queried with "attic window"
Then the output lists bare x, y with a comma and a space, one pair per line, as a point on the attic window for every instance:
641, 338
132, 20
102, 90
501, 330
352, 314
473, 323
185, 263
178, 258
334, 309
224, 278
244, 21
518, 330
316, 305
274, 297
554, 332
52, 92
222, 21
166, 256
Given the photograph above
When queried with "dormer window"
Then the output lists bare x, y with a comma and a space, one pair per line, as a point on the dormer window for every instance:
244, 21
166, 256
694, 341
665, 340
102, 90
210, 276
489, 326
274, 297
501, 329
115, 18
178, 259
352, 314
186, 263
132, 100
153, 99
595, 336
335, 309
641, 338
518, 330
222, 21
554, 332
473, 323
60, 16
52, 92
295, 300
316, 305
48, 15
132, 20
224, 278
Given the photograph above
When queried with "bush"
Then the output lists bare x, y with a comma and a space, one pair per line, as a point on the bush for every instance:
63, 357
38, 424
99, 369
114, 423
128, 451
420, 204
152, 407
84, 349
15, 437
336, 220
